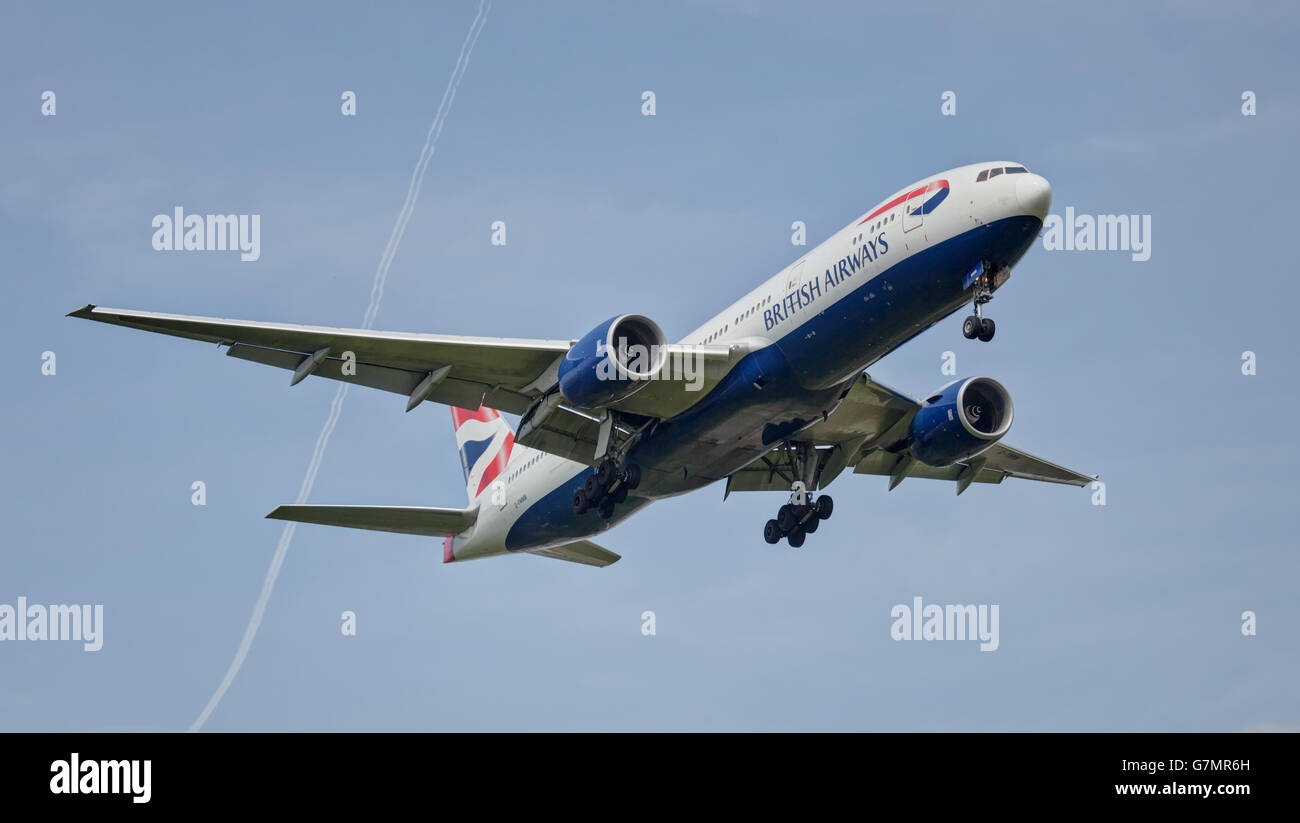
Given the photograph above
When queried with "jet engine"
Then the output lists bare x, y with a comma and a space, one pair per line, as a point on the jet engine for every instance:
612, 361
961, 420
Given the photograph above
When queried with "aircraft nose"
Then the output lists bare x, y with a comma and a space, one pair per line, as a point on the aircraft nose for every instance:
1034, 194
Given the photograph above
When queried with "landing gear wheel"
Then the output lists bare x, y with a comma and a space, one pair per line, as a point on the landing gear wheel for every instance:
580, 502
824, 505
633, 476
606, 473
607, 508
796, 538
970, 327
772, 532
810, 525
620, 494
987, 327
787, 518
594, 488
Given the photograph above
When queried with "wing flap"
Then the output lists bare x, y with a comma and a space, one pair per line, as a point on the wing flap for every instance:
429, 522
880, 462
583, 551
450, 390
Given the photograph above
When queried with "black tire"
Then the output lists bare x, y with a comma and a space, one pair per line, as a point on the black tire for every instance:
607, 508
606, 473
772, 532
825, 505
620, 494
987, 327
787, 517
970, 327
633, 476
810, 525
796, 538
594, 490
580, 502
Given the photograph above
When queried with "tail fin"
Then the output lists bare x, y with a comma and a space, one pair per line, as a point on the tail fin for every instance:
485, 442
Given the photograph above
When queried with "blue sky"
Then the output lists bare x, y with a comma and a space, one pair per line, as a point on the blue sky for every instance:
1122, 617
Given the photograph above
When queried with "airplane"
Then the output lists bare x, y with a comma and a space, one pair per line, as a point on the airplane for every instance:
771, 393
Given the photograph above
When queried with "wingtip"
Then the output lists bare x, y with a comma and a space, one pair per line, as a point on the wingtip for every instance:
83, 312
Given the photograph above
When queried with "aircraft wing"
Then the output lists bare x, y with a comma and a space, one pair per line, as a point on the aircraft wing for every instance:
512, 375
868, 431
502, 373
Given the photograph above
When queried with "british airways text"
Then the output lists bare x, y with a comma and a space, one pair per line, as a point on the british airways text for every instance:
811, 291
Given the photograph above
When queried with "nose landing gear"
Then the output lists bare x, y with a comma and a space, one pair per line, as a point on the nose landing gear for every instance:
977, 325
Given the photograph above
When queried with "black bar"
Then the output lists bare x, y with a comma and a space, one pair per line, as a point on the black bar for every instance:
332, 772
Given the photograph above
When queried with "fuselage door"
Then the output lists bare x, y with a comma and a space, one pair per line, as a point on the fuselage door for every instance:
796, 275
912, 217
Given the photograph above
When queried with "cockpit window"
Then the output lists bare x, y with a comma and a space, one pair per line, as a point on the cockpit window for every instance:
989, 174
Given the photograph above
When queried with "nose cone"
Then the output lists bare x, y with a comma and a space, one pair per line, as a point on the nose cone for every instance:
1034, 194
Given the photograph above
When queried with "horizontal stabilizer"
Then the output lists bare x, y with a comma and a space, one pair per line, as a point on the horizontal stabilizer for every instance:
583, 551
429, 522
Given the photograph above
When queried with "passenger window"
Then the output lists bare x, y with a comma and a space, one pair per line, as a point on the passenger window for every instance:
984, 175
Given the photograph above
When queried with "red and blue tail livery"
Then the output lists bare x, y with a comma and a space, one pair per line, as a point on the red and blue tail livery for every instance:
484, 441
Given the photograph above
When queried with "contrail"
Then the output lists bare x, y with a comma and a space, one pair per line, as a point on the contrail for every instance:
376, 294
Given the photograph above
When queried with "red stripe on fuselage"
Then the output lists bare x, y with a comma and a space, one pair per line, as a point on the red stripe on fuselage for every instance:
937, 184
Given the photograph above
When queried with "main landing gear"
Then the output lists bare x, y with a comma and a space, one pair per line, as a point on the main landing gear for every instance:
977, 325
615, 476
607, 486
802, 515
798, 518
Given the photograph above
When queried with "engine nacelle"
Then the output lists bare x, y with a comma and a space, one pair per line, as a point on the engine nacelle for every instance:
963, 419
612, 361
